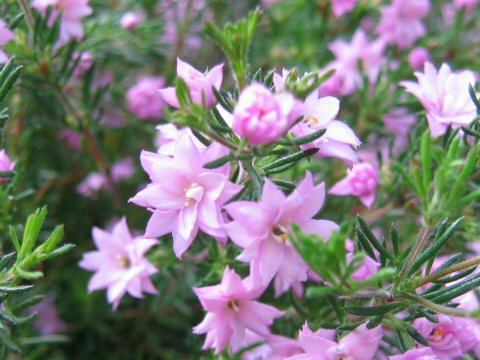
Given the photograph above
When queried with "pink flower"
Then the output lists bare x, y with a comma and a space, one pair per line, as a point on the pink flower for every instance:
424, 353
200, 85
341, 7
232, 311
144, 100
361, 181
47, 321
130, 20
367, 268
348, 56
72, 11
465, 4
450, 338
5, 164
261, 229
401, 23
418, 57
71, 138
183, 196
123, 169
119, 264
167, 136
262, 117
85, 62
360, 344
92, 184
399, 122
5, 36
445, 97
339, 140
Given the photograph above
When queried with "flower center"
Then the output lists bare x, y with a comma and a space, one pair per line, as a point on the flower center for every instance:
280, 234
193, 193
233, 305
438, 332
123, 261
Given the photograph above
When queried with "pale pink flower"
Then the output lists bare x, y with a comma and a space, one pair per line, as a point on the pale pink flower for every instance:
367, 268
341, 7
262, 117
183, 196
261, 229
339, 140
92, 184
122, 169
423, 353
5, 36
85, 62
359, 344
72, 11
200, 85
5, 164
399, 121
143, 98
418, 57
120, 264
231, 311
130, 20
401, 22
450, 338
347, 75
361, 181
465, 4
47, 321
445, 96
167, 138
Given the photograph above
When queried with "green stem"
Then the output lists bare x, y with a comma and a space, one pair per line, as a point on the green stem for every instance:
28, 15
454, 268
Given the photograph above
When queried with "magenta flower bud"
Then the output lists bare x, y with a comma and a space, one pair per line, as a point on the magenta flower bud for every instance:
361, 181
200, 85
417, 58
5, 164
130, 20
144, 100
262, 117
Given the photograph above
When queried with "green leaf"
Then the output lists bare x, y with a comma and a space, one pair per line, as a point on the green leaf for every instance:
373, 239
7, 341
31, 232
15, 289
436, 245
426, 160
290, 159
372, 311
218, 162
61, 250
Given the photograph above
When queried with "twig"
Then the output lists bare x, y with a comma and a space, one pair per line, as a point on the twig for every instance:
451, 269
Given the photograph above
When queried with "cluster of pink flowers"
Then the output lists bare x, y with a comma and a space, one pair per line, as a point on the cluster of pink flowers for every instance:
94, 182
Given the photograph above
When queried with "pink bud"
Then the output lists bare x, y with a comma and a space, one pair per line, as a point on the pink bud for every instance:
262, 117
417, 58
361, 181
130, 20
5, 164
